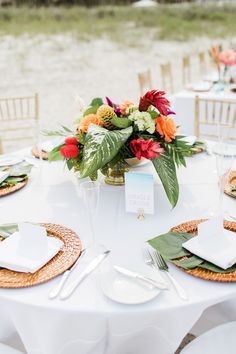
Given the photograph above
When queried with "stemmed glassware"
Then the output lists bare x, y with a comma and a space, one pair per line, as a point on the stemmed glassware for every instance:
90, 191
224, 161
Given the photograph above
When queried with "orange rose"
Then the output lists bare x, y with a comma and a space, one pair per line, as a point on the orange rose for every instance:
124, 106
166, 127
86, 121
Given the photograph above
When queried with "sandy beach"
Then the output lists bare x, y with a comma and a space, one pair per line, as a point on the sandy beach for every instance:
61, 67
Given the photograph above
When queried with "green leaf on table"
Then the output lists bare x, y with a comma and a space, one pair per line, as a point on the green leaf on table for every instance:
12, 181
166, 170
8, 229
214, 268
121, 122
169, 245
101, 146
55, 154
189, 263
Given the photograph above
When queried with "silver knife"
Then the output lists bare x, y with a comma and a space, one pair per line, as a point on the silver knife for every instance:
88, 270
141, 277
54, 292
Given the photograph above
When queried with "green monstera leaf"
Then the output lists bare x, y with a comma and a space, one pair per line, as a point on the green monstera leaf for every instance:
166, 170
101, 146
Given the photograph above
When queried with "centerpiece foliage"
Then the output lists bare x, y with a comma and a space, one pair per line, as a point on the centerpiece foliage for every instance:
108, 134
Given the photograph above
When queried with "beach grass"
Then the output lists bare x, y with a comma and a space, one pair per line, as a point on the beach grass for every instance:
123, 23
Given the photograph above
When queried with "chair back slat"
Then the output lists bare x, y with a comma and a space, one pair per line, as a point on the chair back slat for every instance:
209, 113
167, 77
18, 119
186, 70
202, 63
145, 81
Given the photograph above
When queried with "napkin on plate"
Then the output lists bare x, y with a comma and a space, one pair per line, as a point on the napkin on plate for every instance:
9, 161
214, 243
3, 176
29, 249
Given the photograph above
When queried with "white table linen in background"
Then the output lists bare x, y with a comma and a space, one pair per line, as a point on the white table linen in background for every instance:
88, 322
182, 104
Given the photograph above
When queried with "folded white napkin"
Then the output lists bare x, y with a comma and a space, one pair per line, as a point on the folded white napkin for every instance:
29, 249
9, 161
214, 243
190, 139
3, 176
50, 145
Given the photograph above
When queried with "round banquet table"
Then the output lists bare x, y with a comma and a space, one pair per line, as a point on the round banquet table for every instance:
88, 322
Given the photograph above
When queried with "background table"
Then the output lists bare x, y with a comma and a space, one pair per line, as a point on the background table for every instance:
88, 322
183, 105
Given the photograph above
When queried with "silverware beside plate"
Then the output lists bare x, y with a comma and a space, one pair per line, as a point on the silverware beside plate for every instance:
68, 291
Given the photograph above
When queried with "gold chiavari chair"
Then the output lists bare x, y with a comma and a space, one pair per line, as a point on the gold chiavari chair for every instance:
186, 70
18, 119
145, 81
202, 63
167, 77
209, 113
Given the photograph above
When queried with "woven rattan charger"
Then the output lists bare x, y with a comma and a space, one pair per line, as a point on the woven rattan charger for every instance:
64, 259
191, 227
11, 189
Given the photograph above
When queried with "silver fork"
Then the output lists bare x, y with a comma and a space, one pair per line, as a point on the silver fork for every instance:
162, 265
149, 261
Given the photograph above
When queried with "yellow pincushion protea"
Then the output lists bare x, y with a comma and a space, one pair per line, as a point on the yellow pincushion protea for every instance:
105, 114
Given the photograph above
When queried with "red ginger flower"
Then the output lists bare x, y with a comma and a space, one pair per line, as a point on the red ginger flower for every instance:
145, 148
71, 140
69, 151
156, 99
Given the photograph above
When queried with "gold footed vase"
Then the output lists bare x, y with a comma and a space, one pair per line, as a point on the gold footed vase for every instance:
115, 175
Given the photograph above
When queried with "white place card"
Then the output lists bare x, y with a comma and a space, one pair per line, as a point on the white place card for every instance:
139, 193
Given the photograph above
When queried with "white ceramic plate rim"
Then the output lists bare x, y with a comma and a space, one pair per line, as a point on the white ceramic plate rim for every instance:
107, 290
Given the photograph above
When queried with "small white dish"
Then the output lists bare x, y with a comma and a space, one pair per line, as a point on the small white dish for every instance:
126, 290
10, 161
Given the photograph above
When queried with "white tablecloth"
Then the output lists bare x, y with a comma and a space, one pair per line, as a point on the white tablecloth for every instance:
182, 104
88, 322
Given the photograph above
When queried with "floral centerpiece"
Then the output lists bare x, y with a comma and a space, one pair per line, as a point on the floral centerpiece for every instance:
108, 134
224, 60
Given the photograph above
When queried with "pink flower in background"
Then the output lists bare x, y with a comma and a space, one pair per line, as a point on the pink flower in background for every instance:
228, 57
146, 148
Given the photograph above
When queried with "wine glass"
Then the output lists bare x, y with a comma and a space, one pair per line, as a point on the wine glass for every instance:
224, 161
90, 191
